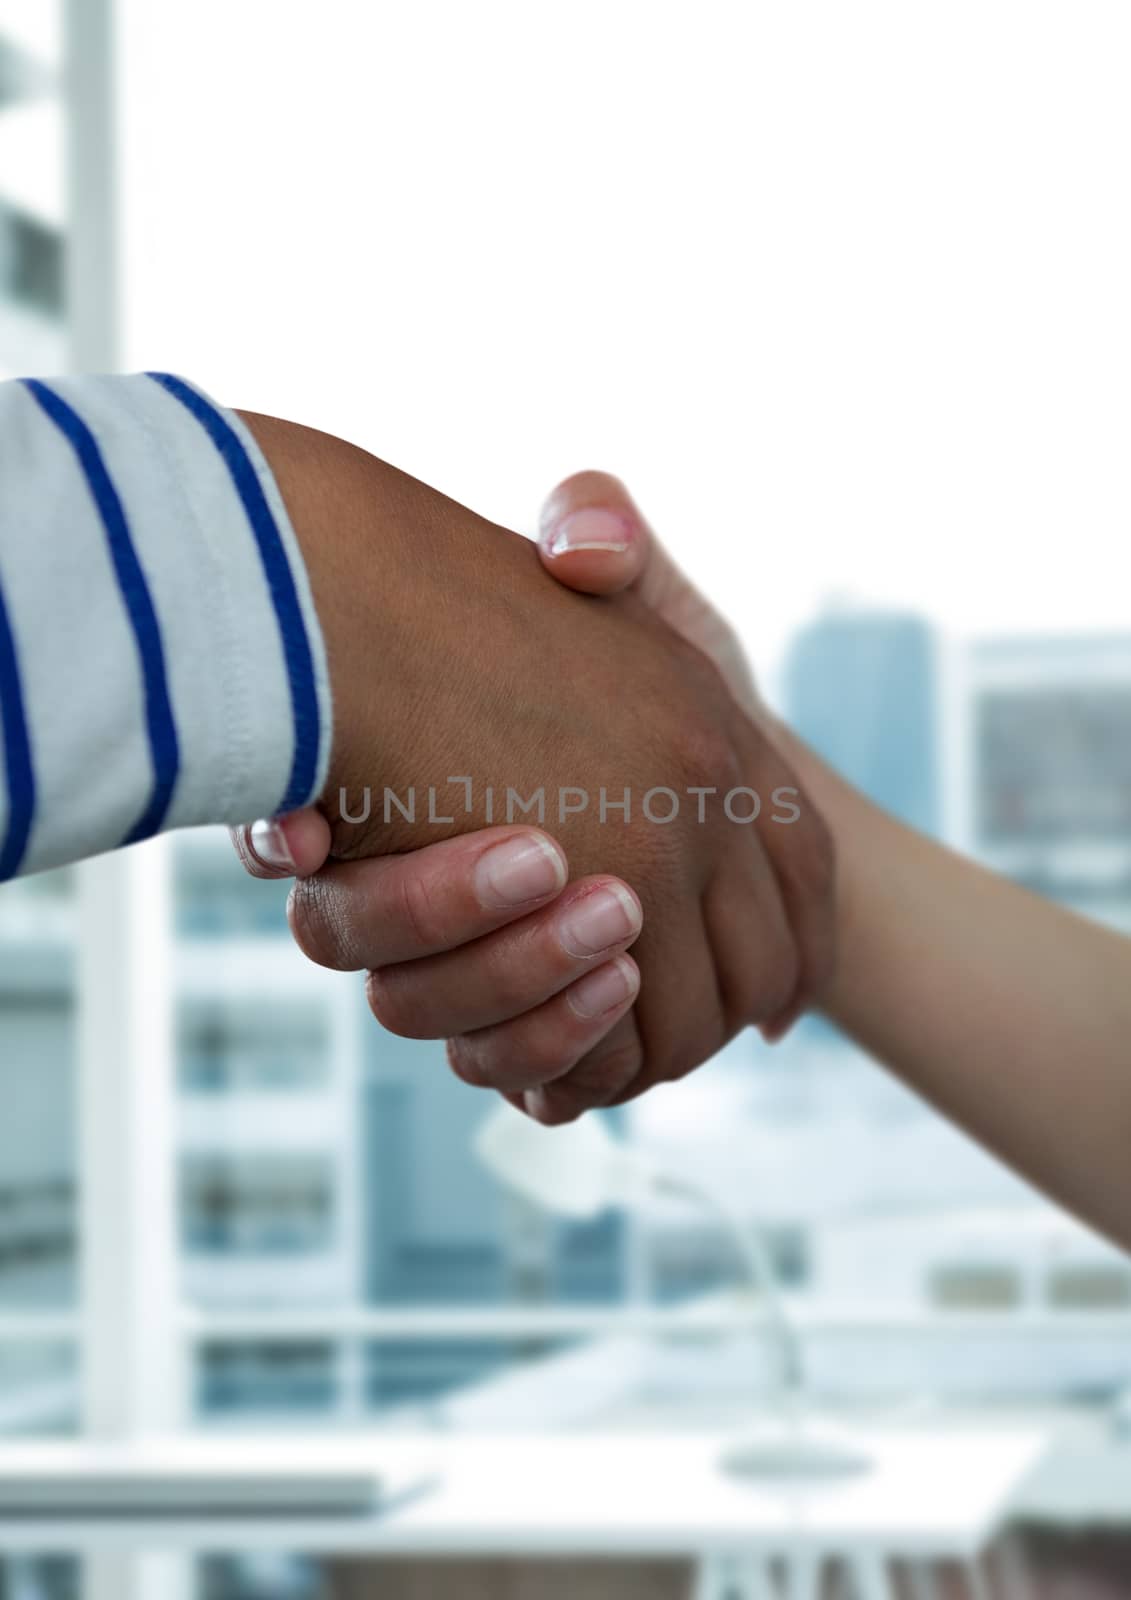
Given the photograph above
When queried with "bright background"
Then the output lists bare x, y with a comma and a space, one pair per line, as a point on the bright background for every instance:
841, 291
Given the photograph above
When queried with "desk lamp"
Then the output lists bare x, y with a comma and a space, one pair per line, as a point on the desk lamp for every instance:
580, 1170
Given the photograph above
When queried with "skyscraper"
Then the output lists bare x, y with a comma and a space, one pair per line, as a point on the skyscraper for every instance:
861, 688
1051, 759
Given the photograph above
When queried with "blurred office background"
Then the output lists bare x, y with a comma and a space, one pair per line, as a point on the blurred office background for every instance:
845, 300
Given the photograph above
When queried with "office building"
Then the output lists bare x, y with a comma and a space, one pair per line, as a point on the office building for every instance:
861, 687
439, 1231
1050, 738
325, 1163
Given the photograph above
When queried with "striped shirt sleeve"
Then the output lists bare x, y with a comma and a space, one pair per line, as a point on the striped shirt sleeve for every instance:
161, 661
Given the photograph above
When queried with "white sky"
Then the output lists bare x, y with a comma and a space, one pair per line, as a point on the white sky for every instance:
36, 24
844, 291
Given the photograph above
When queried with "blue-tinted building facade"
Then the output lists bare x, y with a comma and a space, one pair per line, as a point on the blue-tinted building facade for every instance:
862, 689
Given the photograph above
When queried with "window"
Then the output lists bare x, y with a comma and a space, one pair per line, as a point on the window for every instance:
226, 1047
1103, 1288
278, 1379
866, 438
981, 1286
257, 1205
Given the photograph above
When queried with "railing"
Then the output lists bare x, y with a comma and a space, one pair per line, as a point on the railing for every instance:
717, 1315
720, 1315
862, 1354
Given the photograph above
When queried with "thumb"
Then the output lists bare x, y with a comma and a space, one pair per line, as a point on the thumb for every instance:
293, 846
594, 538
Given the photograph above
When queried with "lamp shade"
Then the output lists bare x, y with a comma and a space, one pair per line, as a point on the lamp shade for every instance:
577, 1170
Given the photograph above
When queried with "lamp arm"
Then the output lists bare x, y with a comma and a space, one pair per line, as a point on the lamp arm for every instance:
757, 1268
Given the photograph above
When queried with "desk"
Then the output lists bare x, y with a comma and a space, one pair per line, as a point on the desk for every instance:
930, 1497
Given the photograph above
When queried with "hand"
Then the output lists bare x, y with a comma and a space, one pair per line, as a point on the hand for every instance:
740, 926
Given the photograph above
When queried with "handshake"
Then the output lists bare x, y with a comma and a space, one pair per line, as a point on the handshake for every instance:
504, 743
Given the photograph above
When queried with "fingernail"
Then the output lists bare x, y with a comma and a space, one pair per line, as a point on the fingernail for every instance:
600, 991
593, 528
524, 868
605, 917
269, 845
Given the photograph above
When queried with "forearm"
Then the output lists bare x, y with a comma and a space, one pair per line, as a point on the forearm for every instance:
1009, 1013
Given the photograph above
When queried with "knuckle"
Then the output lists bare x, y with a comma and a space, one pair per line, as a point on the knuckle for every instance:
705, 756
417, 909
317, 926
507, 977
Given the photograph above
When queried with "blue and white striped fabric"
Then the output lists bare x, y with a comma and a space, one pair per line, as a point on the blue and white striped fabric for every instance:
161, 662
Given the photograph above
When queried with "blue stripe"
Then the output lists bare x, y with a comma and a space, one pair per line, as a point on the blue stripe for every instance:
162, 730
280, 582
17, 753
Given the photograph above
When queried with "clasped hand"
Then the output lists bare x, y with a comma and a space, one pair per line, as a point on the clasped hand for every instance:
452, 653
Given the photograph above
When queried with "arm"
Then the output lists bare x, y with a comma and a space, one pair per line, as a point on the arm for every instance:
1009, 1013
185, 586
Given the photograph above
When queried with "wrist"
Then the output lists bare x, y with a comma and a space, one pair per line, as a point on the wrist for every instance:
854, 823
327, 486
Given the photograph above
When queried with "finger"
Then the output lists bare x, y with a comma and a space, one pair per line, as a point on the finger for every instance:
510, 971
543, 1044
598, 1079
752, 942
601, 1078
283, 847
591, 536
358, 914
594, 537
680, 1013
